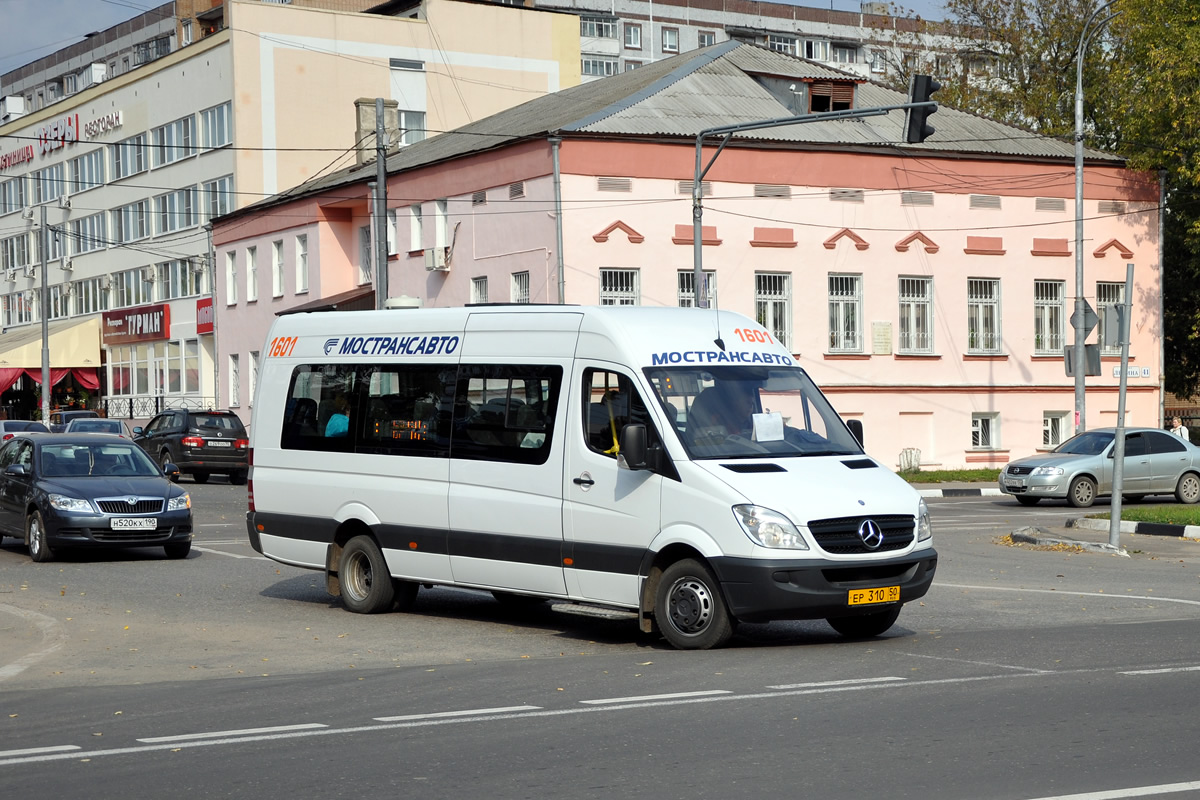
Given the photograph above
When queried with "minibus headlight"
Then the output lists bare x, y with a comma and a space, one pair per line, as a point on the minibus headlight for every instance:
769, 528
924, 529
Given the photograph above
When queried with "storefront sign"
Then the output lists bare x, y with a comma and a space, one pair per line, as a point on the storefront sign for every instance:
204, 315
14, 157
103, 125
58, 133
141, 324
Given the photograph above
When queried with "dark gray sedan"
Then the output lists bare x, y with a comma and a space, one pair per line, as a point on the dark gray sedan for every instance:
83, 490
1081, 468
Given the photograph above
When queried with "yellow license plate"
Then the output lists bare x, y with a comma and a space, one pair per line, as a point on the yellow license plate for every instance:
884, 594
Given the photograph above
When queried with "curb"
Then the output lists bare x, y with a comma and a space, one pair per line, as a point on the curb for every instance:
960, 492
1144, 528
1041, 537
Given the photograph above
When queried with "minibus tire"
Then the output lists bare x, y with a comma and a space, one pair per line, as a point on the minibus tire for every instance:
364, 578
689, 608
866, 626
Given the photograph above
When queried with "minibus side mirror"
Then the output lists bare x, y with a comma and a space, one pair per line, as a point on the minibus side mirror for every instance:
632, 451
856, 428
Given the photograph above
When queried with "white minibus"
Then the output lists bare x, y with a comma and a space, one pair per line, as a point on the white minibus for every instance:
672, 466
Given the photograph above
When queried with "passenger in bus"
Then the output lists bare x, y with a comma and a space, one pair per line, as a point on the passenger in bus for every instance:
339, 422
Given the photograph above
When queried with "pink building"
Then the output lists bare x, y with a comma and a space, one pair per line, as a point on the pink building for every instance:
926, 287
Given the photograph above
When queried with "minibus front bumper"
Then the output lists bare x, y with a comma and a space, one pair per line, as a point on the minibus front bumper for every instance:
760, 591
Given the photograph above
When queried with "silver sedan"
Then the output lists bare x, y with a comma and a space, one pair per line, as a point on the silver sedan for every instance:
1081, 468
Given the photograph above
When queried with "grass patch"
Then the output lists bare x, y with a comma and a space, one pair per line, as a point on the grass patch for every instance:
1172, 514
951, 475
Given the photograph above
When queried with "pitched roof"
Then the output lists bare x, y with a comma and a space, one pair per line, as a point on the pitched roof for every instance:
722, 84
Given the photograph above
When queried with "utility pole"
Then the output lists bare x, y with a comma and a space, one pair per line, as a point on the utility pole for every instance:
380, 208
44, 240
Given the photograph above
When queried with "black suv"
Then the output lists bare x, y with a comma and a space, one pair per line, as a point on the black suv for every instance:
198, 442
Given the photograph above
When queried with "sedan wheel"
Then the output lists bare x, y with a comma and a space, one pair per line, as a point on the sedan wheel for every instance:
1188, 490
1082, 492
35, 531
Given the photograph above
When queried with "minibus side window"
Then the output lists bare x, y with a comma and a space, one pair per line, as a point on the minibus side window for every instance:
505, 413
610, 403
322, 409
407, 409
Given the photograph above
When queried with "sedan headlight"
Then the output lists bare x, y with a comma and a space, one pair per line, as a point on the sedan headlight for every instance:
60, 502
1047, 471
924, 528
181, 503
769, 528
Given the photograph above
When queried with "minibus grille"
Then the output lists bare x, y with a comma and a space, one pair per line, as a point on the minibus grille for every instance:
840, 534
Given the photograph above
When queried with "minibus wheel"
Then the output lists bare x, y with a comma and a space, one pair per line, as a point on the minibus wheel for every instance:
865, 626
689, 608
365, 581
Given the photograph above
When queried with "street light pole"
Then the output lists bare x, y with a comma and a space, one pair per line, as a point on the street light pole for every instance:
1080, 324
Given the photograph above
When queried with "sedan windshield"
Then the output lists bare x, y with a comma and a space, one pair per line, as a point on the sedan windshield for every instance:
750, 412
96, 460
94, 426
1091, 443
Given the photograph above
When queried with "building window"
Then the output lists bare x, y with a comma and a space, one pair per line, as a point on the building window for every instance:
231, 277
412, 126
620, 287
1108, 294
705, 38
251, 274
364, 255
176, 210
235, 381
277, 268
12, 195
845, 55
670, 40
253, 375
1048, 306
88, 233
133, 288
87, 171
916, 315
631, 65
773, 305
441, 223
301, 263
816, 50
414, 229
877, 62
782, 44
131, 222
633, 36
479, 293
845, 314
1054, 427
983, 315
129, 156
391, 231
174, 141
179, 278
185, 37
18, 307
598, 27
55, 242
519, 289
14, 251
985, 431
218, 197
216, 126
600, 66
90, 295
49, 183
60, 301
686, 282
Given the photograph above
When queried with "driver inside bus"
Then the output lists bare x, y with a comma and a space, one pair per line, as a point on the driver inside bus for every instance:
723, 410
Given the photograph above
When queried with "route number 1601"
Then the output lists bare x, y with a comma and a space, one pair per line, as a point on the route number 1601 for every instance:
751, 335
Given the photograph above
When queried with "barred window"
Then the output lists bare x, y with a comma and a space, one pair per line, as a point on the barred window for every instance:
916, 315
1108, 294
773, 305
519, 290
620, 287
845, 314
983, 315
687, 288
985, 431
1048, 315
479, 290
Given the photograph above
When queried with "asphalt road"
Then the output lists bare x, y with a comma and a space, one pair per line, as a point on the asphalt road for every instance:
1024, 673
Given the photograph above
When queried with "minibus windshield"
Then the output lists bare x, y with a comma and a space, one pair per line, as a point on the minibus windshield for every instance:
750, 412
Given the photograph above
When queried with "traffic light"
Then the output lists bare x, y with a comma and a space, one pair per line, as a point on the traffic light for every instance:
916, 120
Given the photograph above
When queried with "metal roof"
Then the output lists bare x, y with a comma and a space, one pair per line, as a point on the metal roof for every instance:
717, 85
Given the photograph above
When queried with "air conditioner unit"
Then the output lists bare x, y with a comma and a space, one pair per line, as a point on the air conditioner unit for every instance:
198, 267
148, 275
435, 259
27, 213
67, 265
11, 274
64, 201
30, 271
106, 282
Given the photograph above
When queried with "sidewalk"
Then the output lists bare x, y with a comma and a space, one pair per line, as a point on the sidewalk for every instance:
1091, 534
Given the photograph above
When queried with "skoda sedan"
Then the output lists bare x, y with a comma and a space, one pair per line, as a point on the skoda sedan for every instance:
1081, 469
87, 490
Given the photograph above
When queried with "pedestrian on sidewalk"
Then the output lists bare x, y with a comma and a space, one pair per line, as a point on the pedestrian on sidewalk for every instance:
1178, 429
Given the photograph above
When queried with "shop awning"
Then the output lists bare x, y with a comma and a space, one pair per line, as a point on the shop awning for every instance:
73, 343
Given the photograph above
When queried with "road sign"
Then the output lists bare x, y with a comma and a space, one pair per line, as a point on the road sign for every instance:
1090, 320
1091, 353
1113, 326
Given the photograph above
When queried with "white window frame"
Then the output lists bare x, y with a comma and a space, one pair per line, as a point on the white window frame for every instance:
1049, 311
1054, 428
670, 40
174, 141
301, 263
620, 287
598, 66
87, 171
685, 286
845, 292
916, 314
702, 35
519, 287
218, 197
89, 233
984, 332
633, 36
415, 229
176, 210
277, 268
985, 431
479, 289
782, 44
773, 304
231, 278
366, 255
216, 126
235, 379
1108, 293
251, 274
